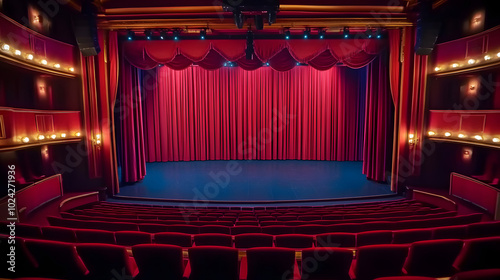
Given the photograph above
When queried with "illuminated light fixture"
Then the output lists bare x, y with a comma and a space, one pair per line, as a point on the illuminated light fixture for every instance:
5, 47
378, 33
471, 61
487, 57
41, 137
478, 137
496, 140
203, 34
307, 32
411, 139
26, 139
44, 62
78, 134
437, 68
498, 54
321, 33
431, 133
63, 135
71, 69
177, 35
472, 87
53, 136
148, 34
411, 136
369, 33
30, 57
267, 63
130, 35
57, 65
454, 65
287, 34
298, 63
17, 52
345, 31
163, 34
461, 135
447, 134
98, 142
98, 136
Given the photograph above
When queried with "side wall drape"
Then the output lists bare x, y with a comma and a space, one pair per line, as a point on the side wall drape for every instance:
128, 111
377, 120
230, 113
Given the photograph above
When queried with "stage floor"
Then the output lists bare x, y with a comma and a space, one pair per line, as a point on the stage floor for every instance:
254, 181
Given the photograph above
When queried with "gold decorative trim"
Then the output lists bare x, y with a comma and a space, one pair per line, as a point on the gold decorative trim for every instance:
436, 195
437, 139
466, 69
24, 146
76, 197
34, 67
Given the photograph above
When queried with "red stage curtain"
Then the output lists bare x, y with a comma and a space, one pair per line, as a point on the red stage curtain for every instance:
230, 113
129, 112
282, 55
377, 120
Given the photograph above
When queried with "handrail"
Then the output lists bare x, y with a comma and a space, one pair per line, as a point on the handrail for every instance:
76, 197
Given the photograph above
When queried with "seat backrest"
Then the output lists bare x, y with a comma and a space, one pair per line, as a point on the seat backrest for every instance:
58, 234
173, 238
277, 230
131, 238
326, 263
296, 241
24, 262
338, 239
374, 261
270, 263
158, 261
213, 263
189, 229
311, 229
479, 253
28, 231
215, 229
153, 228
433, 258
95, 236
411, 235
213, 239
374, 237
252, 240
105, 261
450, 232
481, 274
245, 229
484, 229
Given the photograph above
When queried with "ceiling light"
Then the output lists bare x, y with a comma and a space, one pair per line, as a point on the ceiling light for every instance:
203, 34
57, 65
287, 34
53, 136
307, 32
71, 69
78, 134
437, 68
345, 31
321, 33
454, 65
130, 35
148, 34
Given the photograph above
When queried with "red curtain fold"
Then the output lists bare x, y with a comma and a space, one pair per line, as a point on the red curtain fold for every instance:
281, 54
129, 113
113, 65
394, 64
377, 120
230, 113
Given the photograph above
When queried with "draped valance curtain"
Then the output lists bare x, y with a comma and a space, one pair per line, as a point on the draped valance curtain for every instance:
282, 55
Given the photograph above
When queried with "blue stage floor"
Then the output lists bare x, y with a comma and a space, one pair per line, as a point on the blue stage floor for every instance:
254, 181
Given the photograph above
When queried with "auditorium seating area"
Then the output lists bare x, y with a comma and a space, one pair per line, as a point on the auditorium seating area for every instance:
363, 241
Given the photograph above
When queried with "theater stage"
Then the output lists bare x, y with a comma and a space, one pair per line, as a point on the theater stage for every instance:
254, 181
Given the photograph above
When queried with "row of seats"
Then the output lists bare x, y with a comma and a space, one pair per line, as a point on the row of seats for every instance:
275, 230
249, 240
436, 258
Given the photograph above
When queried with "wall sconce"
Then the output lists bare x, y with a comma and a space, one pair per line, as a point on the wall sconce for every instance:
97, 140
467, 154
411, 139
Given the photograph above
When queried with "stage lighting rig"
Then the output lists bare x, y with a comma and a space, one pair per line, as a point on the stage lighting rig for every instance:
249, 50
256, 8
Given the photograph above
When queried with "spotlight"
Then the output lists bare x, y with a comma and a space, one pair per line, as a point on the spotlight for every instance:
287, 34
298, 63
130, 35
267, 63
163, 34
378, 33
437, 68
321, 33
249, 50
345, 31
454, 65
78, 134
203, 34
271, 17
259, 22
369, 33
238, 19
307, 32
148, 34
177, 34
57, 65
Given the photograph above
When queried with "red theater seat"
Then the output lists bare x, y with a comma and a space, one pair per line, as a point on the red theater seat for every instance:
215, 229
271, 264
480, 253
105, 261
326, 263
450, 232
24, 260
411, 235
295, 241
156, 261
28, 231
131, 238
379, 261
252, 240
58, 234
311, 229
374, 237
56, 259
213, 263
339, 239
277, 230
433, 258
482, 274
184, 229
245, 229
153, 228
95, 236
213, 239
484, 229
347, 227
173, 238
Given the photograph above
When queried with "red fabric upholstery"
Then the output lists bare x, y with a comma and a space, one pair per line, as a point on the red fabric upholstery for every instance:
484, 229
173, 238
130, 238
28, 231
58, 234
213, 239
105, 261
270, 263
411, 235
277, 230
450, 232
245, 229
215, 229
153, 228
379, 261
252, 240
297, 241
213, 263
184, 229
157, 261
25, 263
95, 236
56, 259
311, 229
374, 237
433, 258
326, 263
480, 253
338, 239
482, 274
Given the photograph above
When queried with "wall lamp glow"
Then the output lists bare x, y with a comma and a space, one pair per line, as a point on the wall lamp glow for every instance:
26, 139
431, 133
